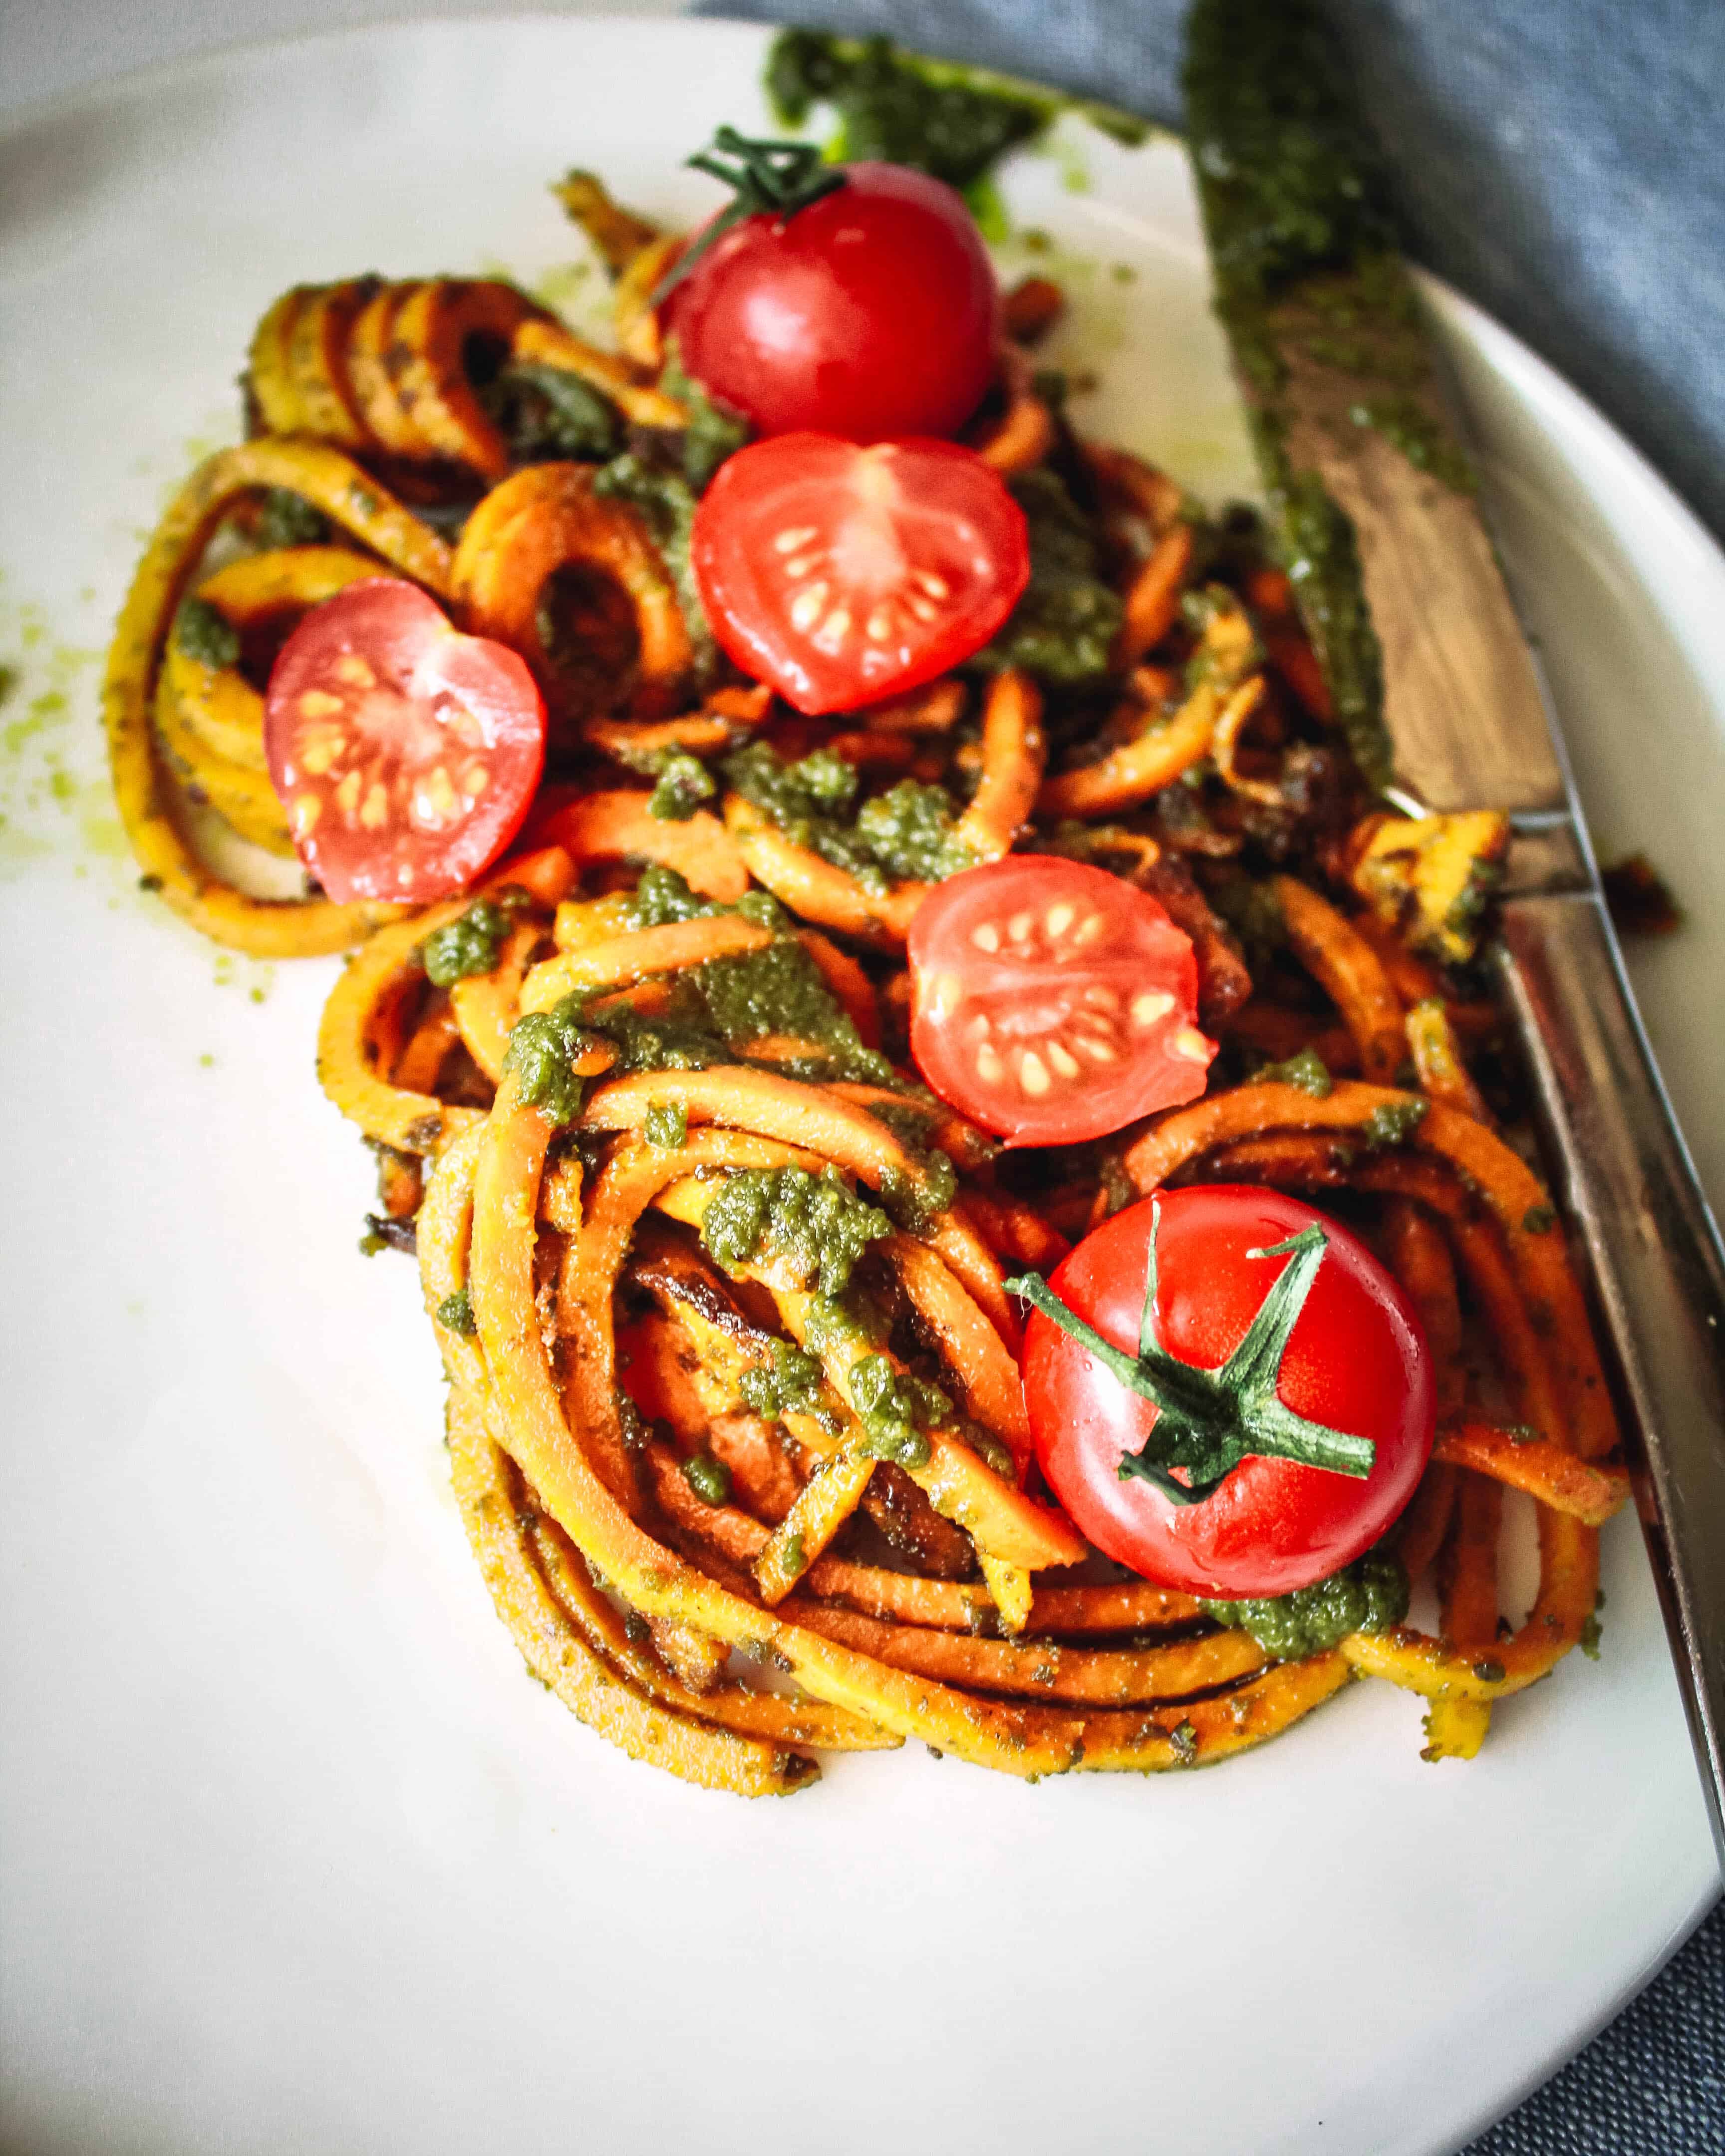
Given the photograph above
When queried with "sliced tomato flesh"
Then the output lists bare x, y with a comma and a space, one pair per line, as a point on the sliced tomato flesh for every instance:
405, 753
1052, 1002
841, 575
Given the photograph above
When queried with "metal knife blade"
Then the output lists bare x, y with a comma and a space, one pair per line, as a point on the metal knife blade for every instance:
1377, 516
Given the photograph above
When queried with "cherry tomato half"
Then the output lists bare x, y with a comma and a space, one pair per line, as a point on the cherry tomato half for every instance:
1052, 1001
872, 313
841, 575
405, 753
1355, 1360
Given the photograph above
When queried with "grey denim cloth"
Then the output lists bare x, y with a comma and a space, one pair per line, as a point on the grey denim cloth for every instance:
1562, 162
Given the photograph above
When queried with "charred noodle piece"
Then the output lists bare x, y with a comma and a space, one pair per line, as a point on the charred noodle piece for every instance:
1347, 968
411, 1121
1546, 1471
1236, 717
265, 927
543, 343
416, 1070
965, 1144
1514, 1195
1429, 876
1014, 753
814, 889
429, 339
270, 369
554, 1451
218, 703
934, 709
1152, 598
1013, 1230
486, 1005
557, 1655
1132, 488
1455, 1727
372, 361
1090, 1676
1419, 1532
618, 826
1024, 432
545, 520
317, 360
1130, 776
1414, 979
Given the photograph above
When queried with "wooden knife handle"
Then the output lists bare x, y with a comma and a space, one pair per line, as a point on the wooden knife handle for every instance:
1658, 1267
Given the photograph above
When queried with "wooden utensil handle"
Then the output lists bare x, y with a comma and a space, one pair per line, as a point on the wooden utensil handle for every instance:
1658, 1268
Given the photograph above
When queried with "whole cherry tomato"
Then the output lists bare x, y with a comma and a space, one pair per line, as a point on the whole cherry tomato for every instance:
405, 754
1052, 1001
842, 575
1336, 1370
871, 312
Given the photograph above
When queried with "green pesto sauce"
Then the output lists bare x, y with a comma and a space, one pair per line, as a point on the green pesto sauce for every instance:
905, 835
666, 500
892, 105
1252, 911
286, 519
709, 1478
714, 431
1317, 547
815, 1226
683, 784
1062, 629
1369, 1595
895, 1409
542, 1046
1307, 1070
791, 1383
456, 1311
1406, 425
545, 412
204, 633
1394, 1123
666, 1125
470, 943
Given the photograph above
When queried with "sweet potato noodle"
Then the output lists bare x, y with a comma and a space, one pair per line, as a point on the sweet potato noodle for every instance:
729, 1531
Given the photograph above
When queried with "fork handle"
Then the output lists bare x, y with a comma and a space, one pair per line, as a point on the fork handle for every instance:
1631, 1189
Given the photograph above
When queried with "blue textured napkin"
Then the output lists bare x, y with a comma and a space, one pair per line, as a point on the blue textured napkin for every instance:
1562, 162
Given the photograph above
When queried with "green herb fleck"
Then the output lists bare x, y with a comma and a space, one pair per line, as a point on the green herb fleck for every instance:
1183, 1737
1394, 1123
1592, 1629
709, 1478
456, 1311
1539, 1220
666, 1124
684, 784
792, 1561
287, 519
1307, 1070
204, 633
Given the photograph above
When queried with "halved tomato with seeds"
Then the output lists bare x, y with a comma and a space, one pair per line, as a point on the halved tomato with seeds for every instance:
1051, 1001
405, 753
841, 575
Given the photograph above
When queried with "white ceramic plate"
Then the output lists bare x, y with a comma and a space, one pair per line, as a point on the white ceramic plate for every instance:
294, 1855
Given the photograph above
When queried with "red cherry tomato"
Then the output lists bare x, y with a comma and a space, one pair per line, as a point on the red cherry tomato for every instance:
872, 313
405, 753
841, 575
1356, 1360
1052, 1001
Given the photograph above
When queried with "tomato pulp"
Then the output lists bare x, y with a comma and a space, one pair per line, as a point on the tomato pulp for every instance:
841, 575
1051, 1001
1356, 1360
871, 313
405, 754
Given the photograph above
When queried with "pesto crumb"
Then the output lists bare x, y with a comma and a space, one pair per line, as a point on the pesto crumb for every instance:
666, 1125
456, 1311
708, 1477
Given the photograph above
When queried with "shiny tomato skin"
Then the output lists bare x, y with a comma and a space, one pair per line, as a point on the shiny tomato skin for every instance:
405, 754
841, 574
872, 314
1357, 1360
1051, 1001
